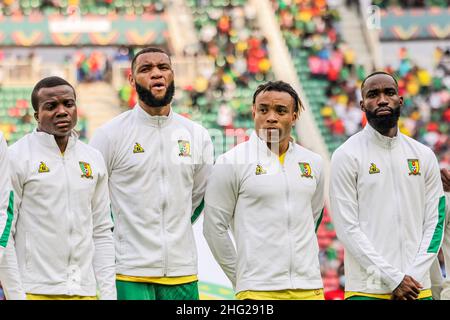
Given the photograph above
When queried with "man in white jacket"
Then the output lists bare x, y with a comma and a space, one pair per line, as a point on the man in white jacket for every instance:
6, 197
269, 192
158, 163
387, 202
61, 244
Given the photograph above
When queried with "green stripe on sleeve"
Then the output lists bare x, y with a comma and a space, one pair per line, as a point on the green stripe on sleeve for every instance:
10, 213
319, 221
437, 236
198, 211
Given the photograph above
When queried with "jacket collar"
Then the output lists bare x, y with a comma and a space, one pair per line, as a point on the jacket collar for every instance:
48, 140
259, 148
379, 139
154, 121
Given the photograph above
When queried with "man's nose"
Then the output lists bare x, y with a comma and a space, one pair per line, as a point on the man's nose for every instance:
156, 73
61, 109
272, 117
383, 99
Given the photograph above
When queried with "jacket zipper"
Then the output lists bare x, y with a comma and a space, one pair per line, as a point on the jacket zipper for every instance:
70, 216
164, 200
283, 168
397, 208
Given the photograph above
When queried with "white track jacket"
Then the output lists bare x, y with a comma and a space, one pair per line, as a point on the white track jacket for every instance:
387, 205
61, 241
272, 210
6, 197
158, 166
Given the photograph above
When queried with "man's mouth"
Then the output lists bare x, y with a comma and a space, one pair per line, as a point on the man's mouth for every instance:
158, 86
62, 124
383, 111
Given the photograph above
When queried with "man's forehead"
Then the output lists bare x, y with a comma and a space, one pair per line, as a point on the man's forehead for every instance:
152, 58
379, 81
62, 90
267, 96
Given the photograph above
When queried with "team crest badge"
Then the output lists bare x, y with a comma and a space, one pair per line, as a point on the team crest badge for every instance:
373, 168
86, 170
43, 167
137, 148
260, 170
305, 168
185, 148
414, 167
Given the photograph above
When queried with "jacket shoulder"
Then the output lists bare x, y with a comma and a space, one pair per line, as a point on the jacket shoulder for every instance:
19, 145
235, 155
417, 145
117, 123
188, 123
302, 151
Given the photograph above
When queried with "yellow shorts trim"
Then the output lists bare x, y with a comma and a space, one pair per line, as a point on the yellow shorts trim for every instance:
423, 294
31, 296
158, 280
297, 294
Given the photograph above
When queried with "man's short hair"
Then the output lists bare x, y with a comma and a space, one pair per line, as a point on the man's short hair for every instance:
374, 74
147, 50
280, 86
48, 82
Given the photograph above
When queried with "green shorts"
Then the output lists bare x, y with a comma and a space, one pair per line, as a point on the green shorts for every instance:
153, 291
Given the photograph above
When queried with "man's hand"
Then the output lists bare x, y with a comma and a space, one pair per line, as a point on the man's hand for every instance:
445, 177
408, 289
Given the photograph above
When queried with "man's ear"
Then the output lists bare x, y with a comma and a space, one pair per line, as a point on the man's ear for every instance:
131, 80
361, 104
36, 116
253, 111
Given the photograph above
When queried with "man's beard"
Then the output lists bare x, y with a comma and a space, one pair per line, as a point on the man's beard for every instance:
383, 123
149, 99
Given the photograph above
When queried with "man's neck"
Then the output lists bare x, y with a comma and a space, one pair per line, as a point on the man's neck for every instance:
62, 142
390, 132
155, 111
278, 148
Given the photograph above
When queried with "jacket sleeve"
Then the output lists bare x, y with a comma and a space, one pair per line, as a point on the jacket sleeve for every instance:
9, 267
220, 201
101, 142
6, 197
104, 255
317, 201
344, 212
433, 222
202, 171
445, 294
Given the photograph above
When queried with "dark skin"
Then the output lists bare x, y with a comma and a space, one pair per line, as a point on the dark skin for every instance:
57, 113
445, 177
408, 289
380, 95
274, 115
153, 71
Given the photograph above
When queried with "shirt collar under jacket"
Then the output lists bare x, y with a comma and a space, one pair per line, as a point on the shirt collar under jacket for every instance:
379, 139
48, 140
154, 121
261, 149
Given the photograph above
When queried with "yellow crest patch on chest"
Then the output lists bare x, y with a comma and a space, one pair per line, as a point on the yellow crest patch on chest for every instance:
43, 167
